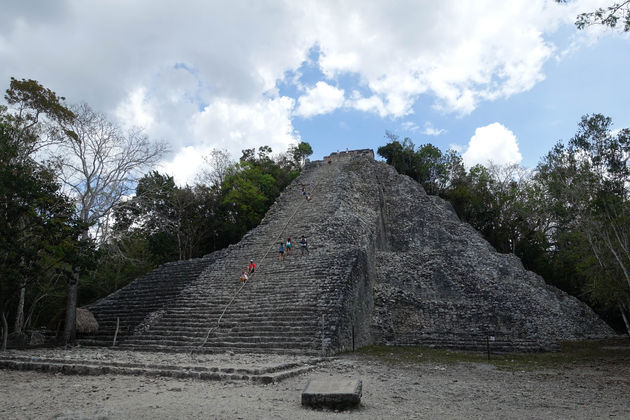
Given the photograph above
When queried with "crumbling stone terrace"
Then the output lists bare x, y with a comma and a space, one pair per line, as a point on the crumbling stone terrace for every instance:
387, 263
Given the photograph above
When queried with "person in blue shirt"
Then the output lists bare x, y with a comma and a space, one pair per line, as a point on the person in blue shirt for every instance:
281, 256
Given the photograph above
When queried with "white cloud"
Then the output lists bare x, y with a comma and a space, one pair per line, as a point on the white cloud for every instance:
493, 143
233, 127
372, 104
205, 73
321, 99
185, 164
429, 130
135, 110
236, 126
410, 126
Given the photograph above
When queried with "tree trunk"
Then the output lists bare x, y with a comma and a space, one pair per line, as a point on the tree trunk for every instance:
32, 310
19, 313
69, 332
611, 248
622, 309
5, 332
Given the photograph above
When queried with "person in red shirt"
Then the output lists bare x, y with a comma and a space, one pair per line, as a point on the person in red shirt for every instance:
251, 268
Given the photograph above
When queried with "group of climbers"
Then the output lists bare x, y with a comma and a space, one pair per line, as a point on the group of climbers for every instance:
284, 247
308, 194
251, 268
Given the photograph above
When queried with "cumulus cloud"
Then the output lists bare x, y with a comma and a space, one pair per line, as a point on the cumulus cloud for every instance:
462, 53
429, 130
185, 164
236, 126
493, 143
321, 99
372, 104
135, 110
232, 126
410, 126
204, 73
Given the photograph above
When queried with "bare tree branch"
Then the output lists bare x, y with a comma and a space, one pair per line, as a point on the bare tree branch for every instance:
103, 165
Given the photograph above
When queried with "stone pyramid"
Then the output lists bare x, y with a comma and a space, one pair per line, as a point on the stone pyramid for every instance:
387, 263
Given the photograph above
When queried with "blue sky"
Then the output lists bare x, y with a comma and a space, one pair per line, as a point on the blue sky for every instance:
591, 79
500, 81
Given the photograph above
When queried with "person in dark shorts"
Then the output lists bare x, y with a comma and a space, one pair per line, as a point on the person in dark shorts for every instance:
251, 267
303, 245
281, 256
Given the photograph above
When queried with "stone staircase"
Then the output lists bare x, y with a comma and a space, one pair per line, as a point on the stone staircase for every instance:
137, 302
199, 305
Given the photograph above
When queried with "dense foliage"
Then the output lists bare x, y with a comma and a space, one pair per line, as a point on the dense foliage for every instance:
68, 236
78, 221
568, 219
40, 243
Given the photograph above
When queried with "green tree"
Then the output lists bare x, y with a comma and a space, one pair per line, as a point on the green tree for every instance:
39, 117
36, 119
587, 199
427, 165
247, 192
38, 229
299, 153
169, 217
617, 12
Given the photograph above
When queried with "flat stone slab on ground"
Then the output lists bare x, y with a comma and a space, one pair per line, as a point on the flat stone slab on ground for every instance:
332, 392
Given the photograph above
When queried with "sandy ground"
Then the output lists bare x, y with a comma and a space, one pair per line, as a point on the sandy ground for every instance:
398, 391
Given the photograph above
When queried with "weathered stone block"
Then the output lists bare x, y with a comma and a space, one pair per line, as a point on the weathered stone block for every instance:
338, 393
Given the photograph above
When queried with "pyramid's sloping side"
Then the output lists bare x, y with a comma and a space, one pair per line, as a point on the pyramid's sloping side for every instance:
440, 282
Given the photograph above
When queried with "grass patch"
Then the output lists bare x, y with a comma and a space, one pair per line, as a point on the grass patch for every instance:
571, 354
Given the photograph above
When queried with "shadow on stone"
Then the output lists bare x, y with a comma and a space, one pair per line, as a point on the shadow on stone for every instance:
333, 393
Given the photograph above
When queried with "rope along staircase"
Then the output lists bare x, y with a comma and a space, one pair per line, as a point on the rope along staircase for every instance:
276, 240
279, 309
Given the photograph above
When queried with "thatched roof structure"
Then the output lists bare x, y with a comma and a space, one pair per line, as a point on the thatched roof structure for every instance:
86, 323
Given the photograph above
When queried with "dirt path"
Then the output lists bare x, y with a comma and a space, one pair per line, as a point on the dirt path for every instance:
399, 391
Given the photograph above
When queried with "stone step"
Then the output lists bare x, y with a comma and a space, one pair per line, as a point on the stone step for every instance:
208, 349
225, 322
227, 337
228, 332
92, 367
263, 309
251, 345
